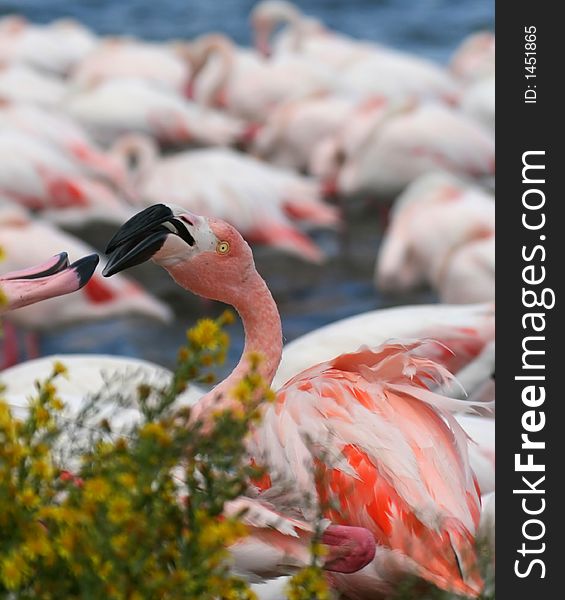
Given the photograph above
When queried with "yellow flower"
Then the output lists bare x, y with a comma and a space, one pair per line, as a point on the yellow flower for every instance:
119, 509
156, 431
37, 544
57, 404
42, 469
308, 584
49, 389
127, 480
5, 415
227, 317
41, 415
66, 543
205, 334
29, 498
96, 489
13, 569
254, 359
243, 391
207, 360
119, 543
59, 368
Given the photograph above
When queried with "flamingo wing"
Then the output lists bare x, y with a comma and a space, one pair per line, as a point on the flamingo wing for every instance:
390, 455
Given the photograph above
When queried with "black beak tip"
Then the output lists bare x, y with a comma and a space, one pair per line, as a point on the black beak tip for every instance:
140, 223
85, 267
109, 270
63, 260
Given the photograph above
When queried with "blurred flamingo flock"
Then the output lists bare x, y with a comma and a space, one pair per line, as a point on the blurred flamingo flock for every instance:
361, 174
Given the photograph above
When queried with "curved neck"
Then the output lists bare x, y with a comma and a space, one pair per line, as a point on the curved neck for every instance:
267, 16
221, 47
263, 336
139, 150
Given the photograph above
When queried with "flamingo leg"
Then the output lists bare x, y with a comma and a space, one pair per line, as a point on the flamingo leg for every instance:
31, 343
10, 346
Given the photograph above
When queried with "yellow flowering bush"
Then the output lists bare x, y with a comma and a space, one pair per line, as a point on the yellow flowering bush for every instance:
135, 513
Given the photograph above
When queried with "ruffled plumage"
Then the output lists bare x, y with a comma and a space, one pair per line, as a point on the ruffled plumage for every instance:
389, 454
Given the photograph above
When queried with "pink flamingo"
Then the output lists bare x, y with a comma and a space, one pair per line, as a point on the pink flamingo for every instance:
97, 300
261, 200
474, 58
55, 277
465, 329
276, 544
117, 58
304, 36
404, 144
293, 129
53, 48
20, 83
364, 68
58, 129
441, 233
119, 106
390, 450
478, 101
249, 87
39, 176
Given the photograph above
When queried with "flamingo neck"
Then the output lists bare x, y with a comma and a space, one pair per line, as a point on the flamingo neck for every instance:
263, 336
142, 150
293, 18
222, 48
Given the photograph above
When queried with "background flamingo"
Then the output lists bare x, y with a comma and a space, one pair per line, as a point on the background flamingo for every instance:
120, 106
432, 224
55, 277
260, 199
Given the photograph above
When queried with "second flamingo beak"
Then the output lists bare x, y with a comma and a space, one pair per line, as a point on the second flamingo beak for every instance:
139, 238
53, 278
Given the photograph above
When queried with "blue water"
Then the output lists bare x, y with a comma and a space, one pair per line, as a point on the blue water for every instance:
432, 28
308, 296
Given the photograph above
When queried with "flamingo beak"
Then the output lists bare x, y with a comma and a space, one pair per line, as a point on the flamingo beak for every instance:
139, 238
53, 278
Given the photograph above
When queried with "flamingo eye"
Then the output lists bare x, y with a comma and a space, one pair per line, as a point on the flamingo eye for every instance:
223, 247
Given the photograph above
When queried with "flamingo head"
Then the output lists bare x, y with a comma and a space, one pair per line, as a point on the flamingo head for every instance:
55, 277
264, 19
207, 256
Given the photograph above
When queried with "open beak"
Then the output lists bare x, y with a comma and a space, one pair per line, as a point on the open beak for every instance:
139, 238
54, 277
